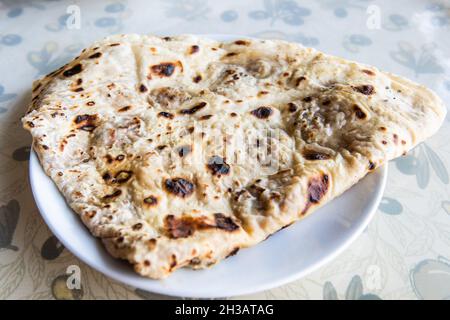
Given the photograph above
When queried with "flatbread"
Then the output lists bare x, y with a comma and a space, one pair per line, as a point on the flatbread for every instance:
179, 151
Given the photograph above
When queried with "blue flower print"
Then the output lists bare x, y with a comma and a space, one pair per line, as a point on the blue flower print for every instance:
421, 60
59, 25
439, 16
5, 97
430, 279
360, 40
105, 22
447, 85
355, 42
396, 22
440, 21
115, 7
187, 9
418, 163
435, 7
341, 8
9, 216
287, 11
446, 206
354, 291
51, 248
229, 15
14, 12
390, 206
340, 12
18, 7
113, 21
11, 39
44, 61
304, 40
21, 154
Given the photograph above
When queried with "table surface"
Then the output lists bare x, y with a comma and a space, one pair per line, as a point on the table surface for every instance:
405, 251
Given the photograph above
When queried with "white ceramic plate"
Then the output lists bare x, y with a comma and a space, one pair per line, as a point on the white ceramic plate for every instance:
286, 256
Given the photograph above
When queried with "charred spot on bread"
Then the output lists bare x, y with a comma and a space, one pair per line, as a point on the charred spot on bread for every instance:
299, 80
233, 252
369, 72
225, 223
317, 188
106, 176
143, 88
95, 55
72, 71
181, 227
170, 97
173, 262
91, 214
124, 109
360, 114
206, 117
164, 69
197, 78
113, 195
292, 107
315, 155
184, 150
194, 109
395, 138
194, 49
167, 115
179, 187
151, 244
218, 166
123, 176
151, 200
86, 122
242, 42
137, 226
366, 89
36, 88
186, 226
262, 112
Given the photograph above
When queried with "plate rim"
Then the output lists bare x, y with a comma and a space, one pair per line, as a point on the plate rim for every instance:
34, 164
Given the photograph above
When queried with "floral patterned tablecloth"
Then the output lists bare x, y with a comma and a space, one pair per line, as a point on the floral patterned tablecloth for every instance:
405, 251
